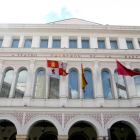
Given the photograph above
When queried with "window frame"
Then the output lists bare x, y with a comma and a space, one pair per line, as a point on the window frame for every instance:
116, 43
43, 39
76, 43
130, 40
56, 39
27, 38
103, 40
73, 69
13, 41
36, 72
111, 83
87, 41
1, 39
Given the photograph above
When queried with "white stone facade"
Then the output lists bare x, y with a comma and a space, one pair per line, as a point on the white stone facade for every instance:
99, 112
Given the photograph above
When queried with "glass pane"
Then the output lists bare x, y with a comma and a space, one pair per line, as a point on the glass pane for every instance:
137, 83
44, 44
28, 43
1, 42
101, 45
15, 43
89, 88
129, 45
113, 45
56, 43
106, 85
85, 44
40, 84
120, 85
54, 86
6, 86
139, 43
21, 84
73, 87
73, 44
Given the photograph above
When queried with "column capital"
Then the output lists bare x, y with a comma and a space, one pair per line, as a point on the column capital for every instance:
32, 60
96, 62
1, 60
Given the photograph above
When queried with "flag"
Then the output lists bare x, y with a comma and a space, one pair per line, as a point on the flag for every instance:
122, 70
83, 81
56, 68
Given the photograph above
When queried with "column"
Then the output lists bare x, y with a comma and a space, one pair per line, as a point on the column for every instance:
21, 42
62, 137
35, 42
97, 80
130, 83
64, 42
1, 73
47, 85
21, 137
79, 42
50, 41
136, 44
137, 137
93, 42
13, 86
122, 43
114, 86
107, 43
30, 82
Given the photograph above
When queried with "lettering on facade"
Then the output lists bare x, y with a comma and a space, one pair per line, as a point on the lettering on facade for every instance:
72, 56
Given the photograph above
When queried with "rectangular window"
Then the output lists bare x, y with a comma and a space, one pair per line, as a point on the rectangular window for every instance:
15, 43
139, 43
73, 44
56, 43
1, 42
113, 44
85, 44
28, 43
129, 44
44, 44
101, 44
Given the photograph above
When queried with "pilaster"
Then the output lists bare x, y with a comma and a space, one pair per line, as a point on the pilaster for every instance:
108, 46
122, 43
21, 42
1, 73
50, 41
79, 42
93, 42
64, 42
136, 44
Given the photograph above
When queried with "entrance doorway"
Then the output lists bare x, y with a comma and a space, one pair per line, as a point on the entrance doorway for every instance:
49, 136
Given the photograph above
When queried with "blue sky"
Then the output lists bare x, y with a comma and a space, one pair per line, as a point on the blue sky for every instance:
113, 12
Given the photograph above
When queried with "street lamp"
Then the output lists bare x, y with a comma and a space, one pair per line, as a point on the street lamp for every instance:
43, 127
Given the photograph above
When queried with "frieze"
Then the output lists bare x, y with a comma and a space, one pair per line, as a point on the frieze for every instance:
73, 56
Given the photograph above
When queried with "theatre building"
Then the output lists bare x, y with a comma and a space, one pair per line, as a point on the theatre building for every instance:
37, 106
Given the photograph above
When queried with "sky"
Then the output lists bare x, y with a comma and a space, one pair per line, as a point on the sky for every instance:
112, 12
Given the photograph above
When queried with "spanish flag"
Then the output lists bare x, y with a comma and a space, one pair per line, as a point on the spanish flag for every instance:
84, 82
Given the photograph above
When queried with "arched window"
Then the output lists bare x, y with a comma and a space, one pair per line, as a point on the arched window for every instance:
54, 87
21, 84
89, 88
40, 84
137, 82
6, 86
106, 85
73, 85
120, 85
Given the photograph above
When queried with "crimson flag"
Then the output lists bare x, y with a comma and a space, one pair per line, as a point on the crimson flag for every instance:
122, 70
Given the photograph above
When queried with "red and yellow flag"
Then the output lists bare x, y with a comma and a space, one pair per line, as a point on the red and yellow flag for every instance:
83, 80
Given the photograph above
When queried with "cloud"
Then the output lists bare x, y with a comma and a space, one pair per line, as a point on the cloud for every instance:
119, 12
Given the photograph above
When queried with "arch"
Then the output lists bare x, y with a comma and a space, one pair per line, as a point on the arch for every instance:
8, 68
14, 121
92, 122
130, 122
73, 68
89, 69
22, 68
28, 126
39, 68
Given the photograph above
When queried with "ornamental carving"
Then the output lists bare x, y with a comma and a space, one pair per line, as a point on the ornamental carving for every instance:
107, 117
56, 116
68, 117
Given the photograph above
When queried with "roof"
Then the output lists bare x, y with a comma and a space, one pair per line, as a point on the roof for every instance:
74, 21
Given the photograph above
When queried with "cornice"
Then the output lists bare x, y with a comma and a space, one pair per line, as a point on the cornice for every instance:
66, 26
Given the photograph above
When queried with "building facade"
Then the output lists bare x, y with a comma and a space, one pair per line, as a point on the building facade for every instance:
37, 106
